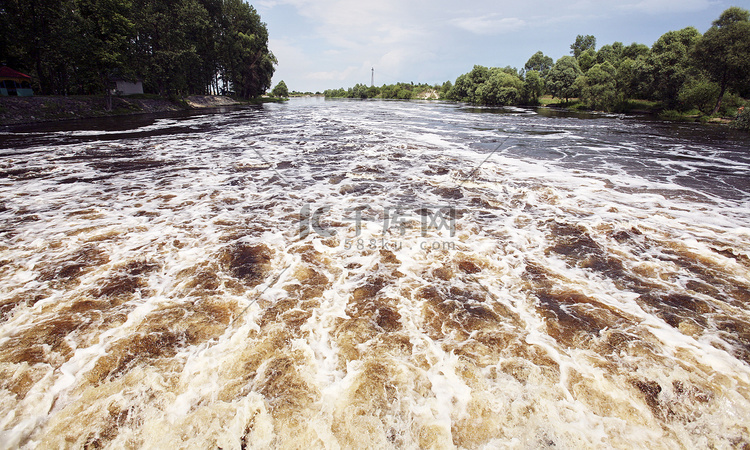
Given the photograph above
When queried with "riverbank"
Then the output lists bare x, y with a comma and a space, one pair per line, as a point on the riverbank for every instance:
649, 107
28, 110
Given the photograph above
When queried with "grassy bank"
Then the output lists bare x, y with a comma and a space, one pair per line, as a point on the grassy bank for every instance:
653, 108
23, 110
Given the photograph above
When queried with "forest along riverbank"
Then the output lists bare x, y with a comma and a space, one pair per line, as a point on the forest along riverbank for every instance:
27, 110
334, 274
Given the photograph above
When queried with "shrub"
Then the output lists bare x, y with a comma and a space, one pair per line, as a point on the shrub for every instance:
742, 122
701, 94
280, 90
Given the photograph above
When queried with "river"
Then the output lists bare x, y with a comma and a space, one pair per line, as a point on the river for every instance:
374, 274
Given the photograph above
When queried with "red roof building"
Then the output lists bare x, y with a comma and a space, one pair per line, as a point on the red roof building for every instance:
14, 83
7, 72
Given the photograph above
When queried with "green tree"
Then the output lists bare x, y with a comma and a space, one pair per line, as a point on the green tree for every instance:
539, 63
500, 89
582, 43
465, 86
668, 63
562, 77
533, 88
175, 46
248, 64
699, 93
358, 91
445, 88
627, 82
32, 33
107, 33
586, 60
634, 50
280, 90
598, 87
724, 51
612, 54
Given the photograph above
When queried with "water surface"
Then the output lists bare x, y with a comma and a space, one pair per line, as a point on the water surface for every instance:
374, 274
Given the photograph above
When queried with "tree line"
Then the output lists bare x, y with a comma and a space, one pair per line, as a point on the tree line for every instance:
683, 70
402, 91
176, 47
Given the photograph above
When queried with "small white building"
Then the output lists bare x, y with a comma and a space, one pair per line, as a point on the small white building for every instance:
123, 87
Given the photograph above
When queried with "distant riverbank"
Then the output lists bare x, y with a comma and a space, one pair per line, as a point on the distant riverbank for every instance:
27, 110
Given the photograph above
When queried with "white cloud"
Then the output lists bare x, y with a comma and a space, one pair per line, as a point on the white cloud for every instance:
489, 24
336, 42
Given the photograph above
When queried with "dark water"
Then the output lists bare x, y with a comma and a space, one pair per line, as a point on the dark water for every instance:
374, 274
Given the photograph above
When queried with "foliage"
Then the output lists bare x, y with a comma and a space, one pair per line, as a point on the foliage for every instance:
587, 60
176, 47
246, 58
562, 77
445, 88
700, 93
500, 89
464, 88
400, 91
280, 90
634, 50
674, 115
683, 71
488, 86
742, 122
598, 87
540, 63
668, 64
582, 44
533, 88
612, 54
724, 51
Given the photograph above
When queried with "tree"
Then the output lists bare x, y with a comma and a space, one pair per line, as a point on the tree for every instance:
562, 77
107, 32
724, 51
582, 44
533, 88
634, 50
540, 63
668, 64
445, 88
464, 88
280, 90
358, 91
612, 54
500, 89
32, 31
598, 86
587, 60
700, 93
175, 46
248, 63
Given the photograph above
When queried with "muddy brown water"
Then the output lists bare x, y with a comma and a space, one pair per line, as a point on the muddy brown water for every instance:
338, 274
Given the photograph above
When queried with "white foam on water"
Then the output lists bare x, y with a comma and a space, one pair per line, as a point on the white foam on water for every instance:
163, 284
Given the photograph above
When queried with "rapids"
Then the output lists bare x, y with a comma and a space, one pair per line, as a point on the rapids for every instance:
374, 274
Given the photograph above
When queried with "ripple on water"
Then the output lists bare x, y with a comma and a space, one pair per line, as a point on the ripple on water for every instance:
203, 280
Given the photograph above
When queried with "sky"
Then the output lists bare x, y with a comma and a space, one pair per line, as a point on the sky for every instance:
328, 44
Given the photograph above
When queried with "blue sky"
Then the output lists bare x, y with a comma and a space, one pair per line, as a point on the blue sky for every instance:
324, 44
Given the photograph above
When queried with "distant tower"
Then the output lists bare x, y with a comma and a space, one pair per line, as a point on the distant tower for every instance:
372, 79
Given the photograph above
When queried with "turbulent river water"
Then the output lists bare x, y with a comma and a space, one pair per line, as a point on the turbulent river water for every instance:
346, 274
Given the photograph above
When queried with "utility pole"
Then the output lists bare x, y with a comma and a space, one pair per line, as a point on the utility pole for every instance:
372, 79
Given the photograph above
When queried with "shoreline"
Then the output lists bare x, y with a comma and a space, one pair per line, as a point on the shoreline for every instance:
44, 109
